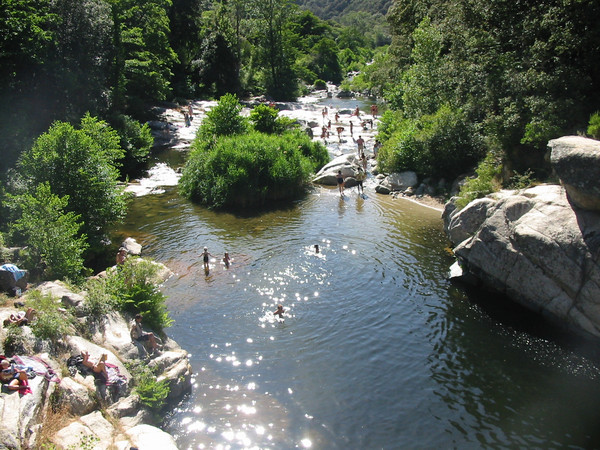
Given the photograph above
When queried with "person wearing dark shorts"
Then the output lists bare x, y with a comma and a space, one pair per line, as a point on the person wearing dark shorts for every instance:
340, 182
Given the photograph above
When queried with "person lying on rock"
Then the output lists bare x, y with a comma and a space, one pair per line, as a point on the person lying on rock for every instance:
12, 375
20, 318
98, 367
139, 335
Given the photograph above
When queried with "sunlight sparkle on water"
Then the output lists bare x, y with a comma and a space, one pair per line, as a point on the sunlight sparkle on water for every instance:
306, 443
246, 409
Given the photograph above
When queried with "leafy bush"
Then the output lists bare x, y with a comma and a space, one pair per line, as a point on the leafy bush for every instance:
441, 145
486, 181
133, 289
54, 248
136, 140
152, 393
320, 84
223, 120
98, 301
250, 169
50, 323
264, 119
14, 341
594, 126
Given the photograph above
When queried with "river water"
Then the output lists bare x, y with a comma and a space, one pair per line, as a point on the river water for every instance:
376, 349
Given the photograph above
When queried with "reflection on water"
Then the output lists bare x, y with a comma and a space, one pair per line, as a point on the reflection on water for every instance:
376, 349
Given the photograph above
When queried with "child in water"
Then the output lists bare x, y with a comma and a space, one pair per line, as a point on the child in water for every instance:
205, 254
279, 311
226, 260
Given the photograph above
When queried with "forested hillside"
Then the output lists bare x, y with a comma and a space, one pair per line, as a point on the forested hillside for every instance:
333, 9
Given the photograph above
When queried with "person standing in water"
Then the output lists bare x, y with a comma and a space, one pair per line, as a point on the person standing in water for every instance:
360, 177
226, 260
205, 255
340, 182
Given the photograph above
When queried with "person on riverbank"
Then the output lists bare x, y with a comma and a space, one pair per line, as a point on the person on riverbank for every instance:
205, 257
138, 334
121, 256
21, 318
324, 112
226, 260
98, 367
351, 128
339, 132
15, 377
340, 182
363, 160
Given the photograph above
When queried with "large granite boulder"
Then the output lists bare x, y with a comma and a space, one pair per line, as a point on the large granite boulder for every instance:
576, 161
348, 164
533, 246
398, 181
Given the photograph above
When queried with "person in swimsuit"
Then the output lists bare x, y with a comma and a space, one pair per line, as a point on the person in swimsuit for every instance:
226, 260
205, 255
340, 181
99, 367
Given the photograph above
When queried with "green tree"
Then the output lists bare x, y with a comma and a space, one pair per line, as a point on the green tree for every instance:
273, 38
324, 61
143, 55
78, 66
81, 164
54, 246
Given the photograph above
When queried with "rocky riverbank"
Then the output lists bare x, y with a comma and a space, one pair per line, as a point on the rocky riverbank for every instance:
539, 246
66, 403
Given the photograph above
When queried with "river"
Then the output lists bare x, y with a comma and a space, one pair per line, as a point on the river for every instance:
376, 349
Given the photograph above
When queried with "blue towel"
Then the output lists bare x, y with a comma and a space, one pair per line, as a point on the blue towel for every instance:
17, 273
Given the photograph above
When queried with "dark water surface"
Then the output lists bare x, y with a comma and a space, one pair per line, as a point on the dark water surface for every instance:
377, 349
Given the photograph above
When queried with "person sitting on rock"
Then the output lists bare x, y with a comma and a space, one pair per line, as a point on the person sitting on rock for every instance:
121, 256
20, 318
139, 335
12, 375
98, 367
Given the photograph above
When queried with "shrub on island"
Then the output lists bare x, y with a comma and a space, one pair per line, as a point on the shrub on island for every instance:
251, 169
235, 162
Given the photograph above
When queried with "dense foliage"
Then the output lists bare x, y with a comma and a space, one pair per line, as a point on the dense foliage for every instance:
520, 73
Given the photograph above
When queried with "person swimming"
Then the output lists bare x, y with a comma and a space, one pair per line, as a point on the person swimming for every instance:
279, 311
